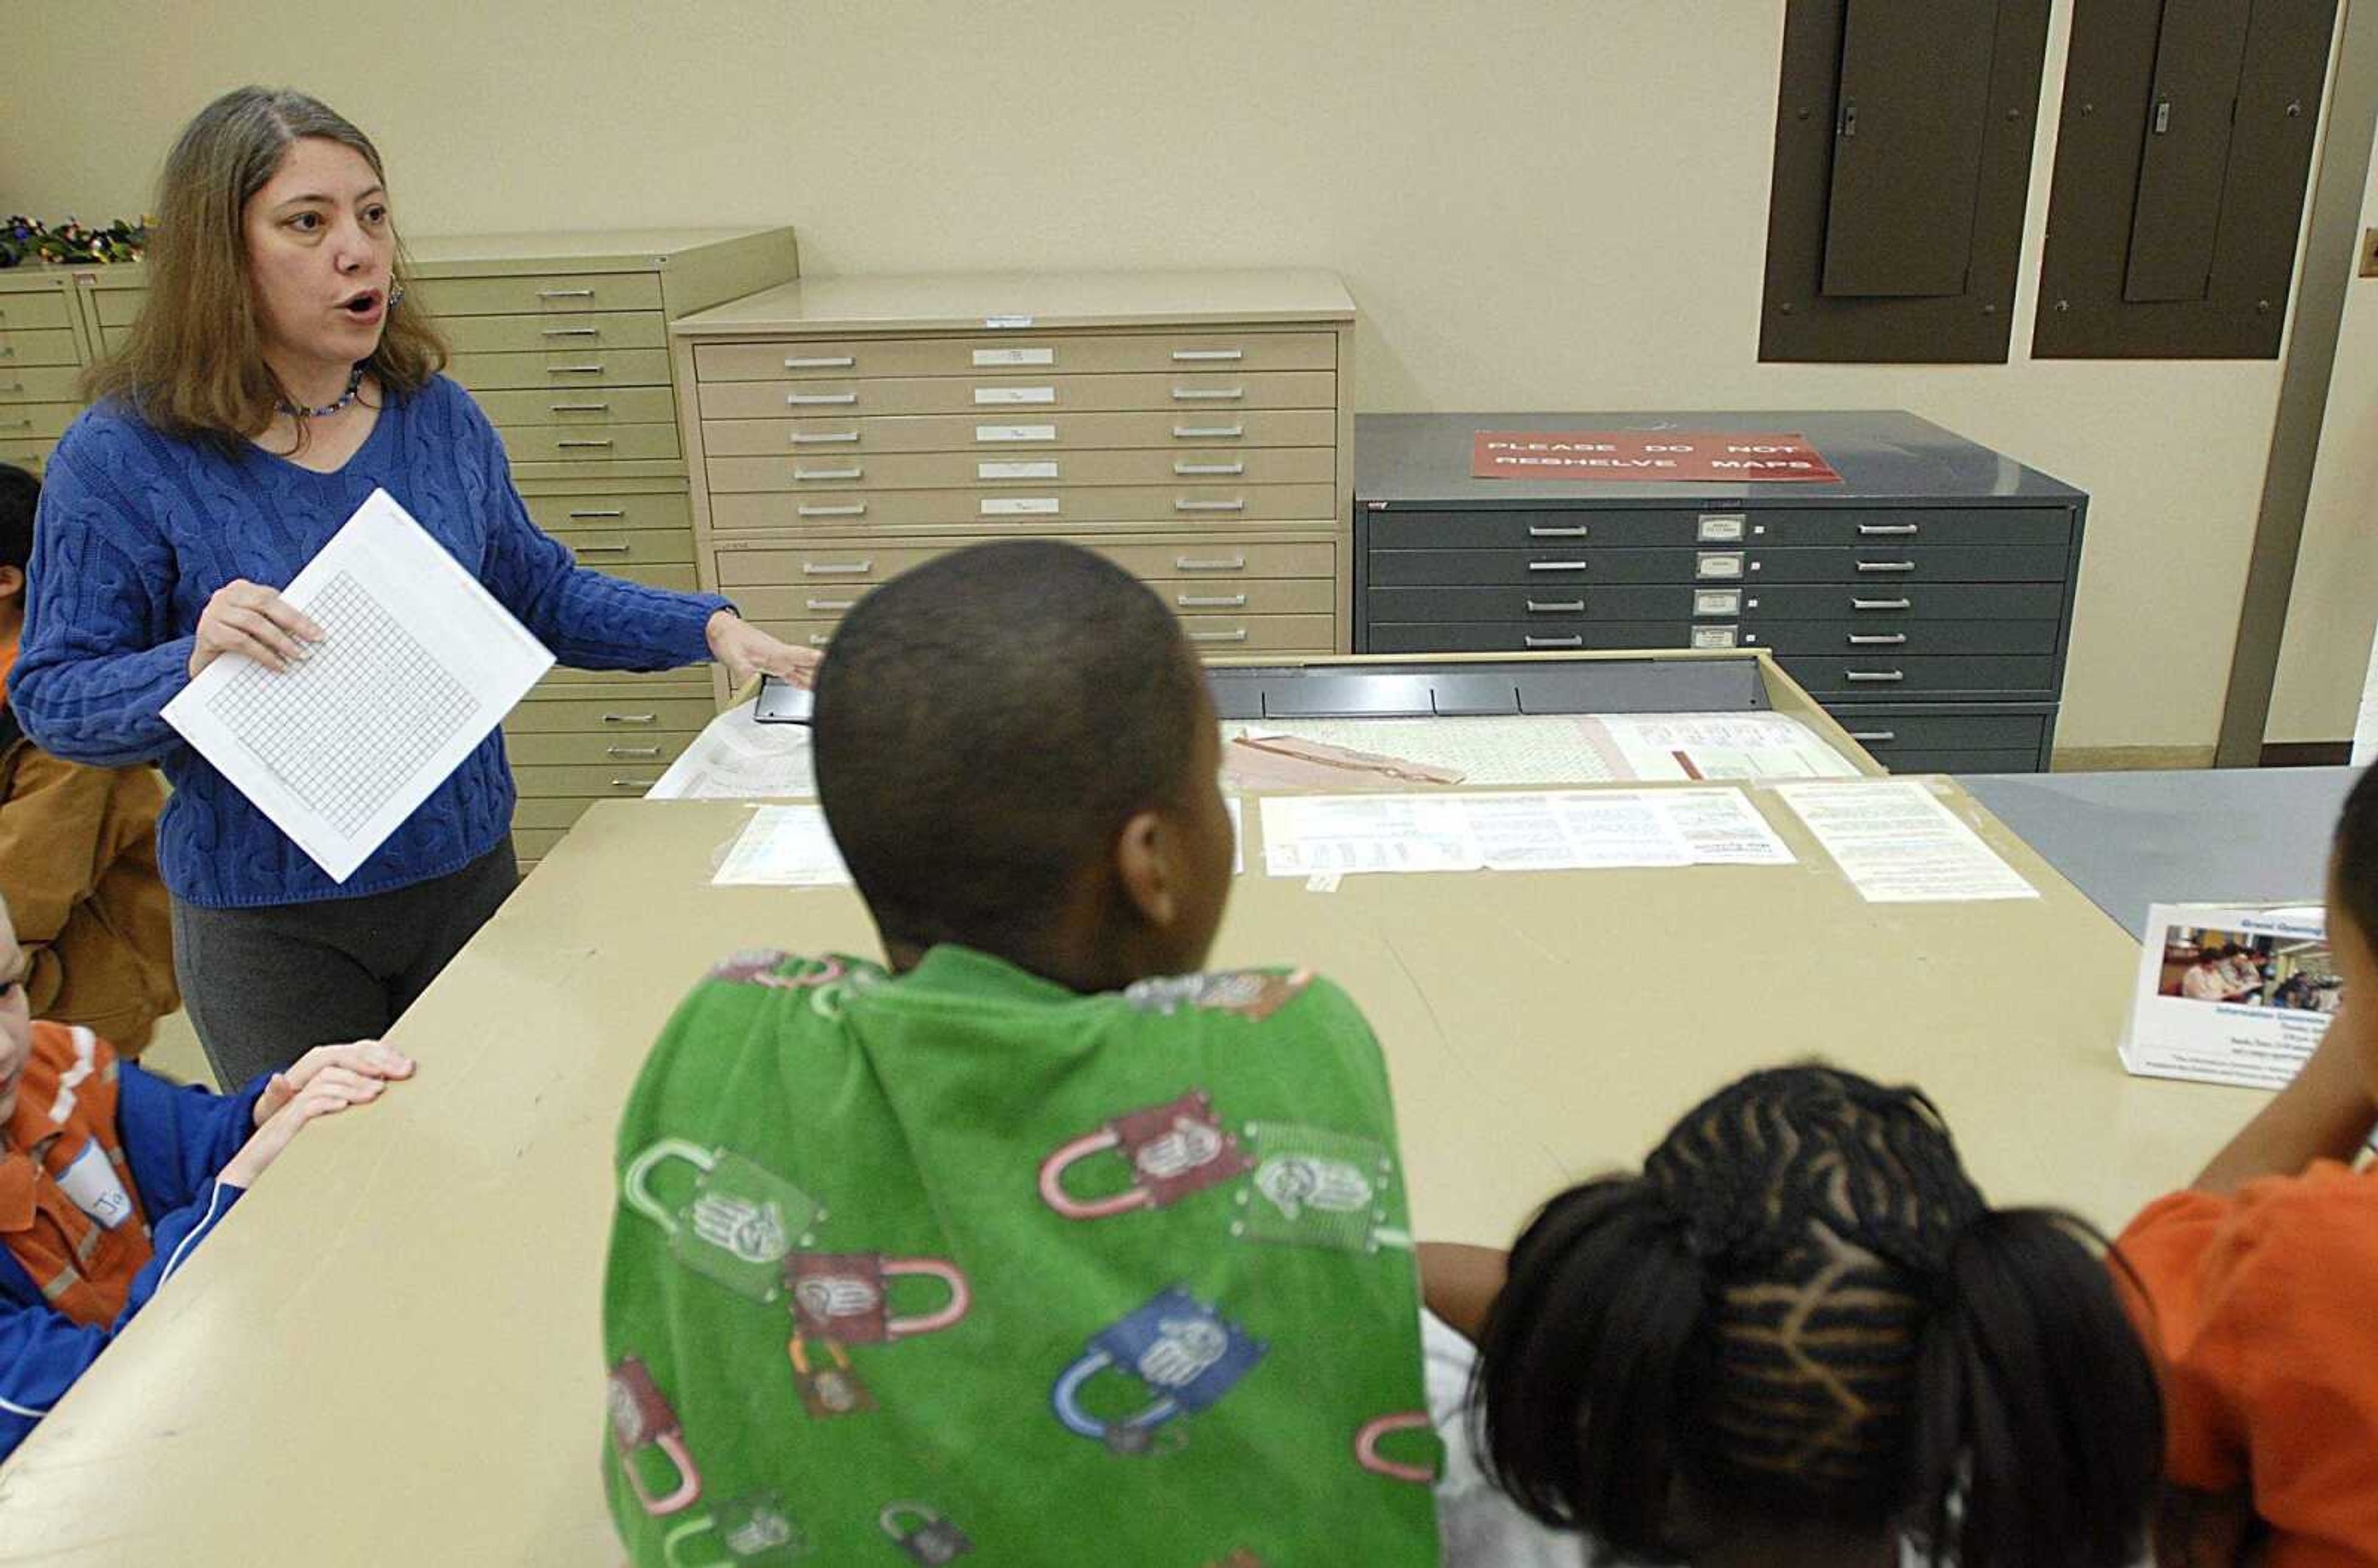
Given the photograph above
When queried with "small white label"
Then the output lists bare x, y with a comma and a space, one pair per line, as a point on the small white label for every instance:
92, 1182
1718, 602
1016, 470
1016, 394
1014, 432
1714, 636
1721, 564
984, 357
1006, 323
1322, 881
1021, 506
1726, 530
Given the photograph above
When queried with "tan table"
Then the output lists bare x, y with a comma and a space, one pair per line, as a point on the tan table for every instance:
391, 1353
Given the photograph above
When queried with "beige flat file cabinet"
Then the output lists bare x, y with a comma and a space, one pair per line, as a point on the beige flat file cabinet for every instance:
563, 338
43, 346
1196, 427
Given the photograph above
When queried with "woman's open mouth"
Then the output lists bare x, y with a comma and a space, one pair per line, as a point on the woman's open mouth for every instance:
364, 308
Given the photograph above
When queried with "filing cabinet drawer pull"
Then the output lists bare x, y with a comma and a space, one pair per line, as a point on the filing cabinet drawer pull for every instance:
20, 386
588, 442
856, 508
632, 718
1208, 356
574, 369
1556, 641
1184, 506
1238, 636
600, 511
18, 424
819, 639
571, 332
1886, 566
1543, 531
1555, 607
580, 408
1182, 469
806, 400
1874, 738
565, 293
619, 549
1183, 563
1884, 677
632, 751
1208, 432
633, 783
854, 472
7, 351
1557, 566
832, 605
1211, 601
824, 438
1857, 604
1208, 394
838, 569
823, 362
1882, 530
1885, 639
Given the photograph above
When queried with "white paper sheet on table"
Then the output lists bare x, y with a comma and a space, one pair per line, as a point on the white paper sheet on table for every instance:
1532, 831
1897, 843
784, 846
1539, 749
1564, 748
736, 757
1723, 746
2257, 1036
417, 664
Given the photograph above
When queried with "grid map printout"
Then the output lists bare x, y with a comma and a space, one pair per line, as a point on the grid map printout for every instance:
417, 663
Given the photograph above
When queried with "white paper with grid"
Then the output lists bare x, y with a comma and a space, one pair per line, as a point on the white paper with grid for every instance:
417, 663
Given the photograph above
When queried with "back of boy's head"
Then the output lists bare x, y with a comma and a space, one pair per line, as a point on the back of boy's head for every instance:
1803, 1314
2355, 864
20, 491
985, 726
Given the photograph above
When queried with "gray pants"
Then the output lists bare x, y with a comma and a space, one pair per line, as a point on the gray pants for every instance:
265, 985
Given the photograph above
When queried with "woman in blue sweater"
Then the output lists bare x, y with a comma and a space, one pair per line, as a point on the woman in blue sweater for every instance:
270, 384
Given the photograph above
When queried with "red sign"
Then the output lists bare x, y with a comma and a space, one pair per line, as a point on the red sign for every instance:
1701, 456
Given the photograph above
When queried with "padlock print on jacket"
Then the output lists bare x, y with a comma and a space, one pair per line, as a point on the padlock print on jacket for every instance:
1316, 1188
736, 1226
924, 1535
643, 1422
828, 980
1171, 1151
1184, 1352
845, 1297
829, 1385
1251, 993
756, 1531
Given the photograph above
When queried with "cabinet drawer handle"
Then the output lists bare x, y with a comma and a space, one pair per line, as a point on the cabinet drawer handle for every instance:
1208, 356
824, 438
809, 400
1857, 604
1186, 506
1183, 563
823, 362
1545, 531
8, 351
1238, 636
1557, 566
831, 606
1874, 738
1882, 530
574, 369
1211, 601
802, 475
565, 293
580, 408
1208, 432
571, 332
587, 442
1182, 469
1205, 394
1886, 639
598, 511
1556, 641
1886, 566
1885, 678
633, 783
620, 548
838, 569
819, 639
632, 751
631, 718
18, 424
1555, 607
857, 508
20, 386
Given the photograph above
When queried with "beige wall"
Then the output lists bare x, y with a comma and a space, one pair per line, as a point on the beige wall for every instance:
1538, 203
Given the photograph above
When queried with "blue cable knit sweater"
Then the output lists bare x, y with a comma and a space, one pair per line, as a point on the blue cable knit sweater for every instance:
136, 531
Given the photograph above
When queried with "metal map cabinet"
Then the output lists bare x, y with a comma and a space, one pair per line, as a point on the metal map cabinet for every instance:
1926, 600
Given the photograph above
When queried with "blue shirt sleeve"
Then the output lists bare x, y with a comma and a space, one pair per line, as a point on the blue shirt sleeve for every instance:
590, 620
177, 1137
100, 657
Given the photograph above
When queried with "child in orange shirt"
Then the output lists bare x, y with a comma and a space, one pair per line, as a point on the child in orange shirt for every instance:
2263, 1280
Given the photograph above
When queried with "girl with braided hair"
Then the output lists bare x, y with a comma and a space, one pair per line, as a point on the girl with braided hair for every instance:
2263, 1276
1801, 1335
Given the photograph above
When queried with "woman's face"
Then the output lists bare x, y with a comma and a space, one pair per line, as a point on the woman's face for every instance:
320, 250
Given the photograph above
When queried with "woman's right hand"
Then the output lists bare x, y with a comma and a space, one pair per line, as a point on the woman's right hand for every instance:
247, 618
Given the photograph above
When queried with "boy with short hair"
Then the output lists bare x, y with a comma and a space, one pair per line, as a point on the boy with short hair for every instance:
1020, 1247
109, 1176
78, 849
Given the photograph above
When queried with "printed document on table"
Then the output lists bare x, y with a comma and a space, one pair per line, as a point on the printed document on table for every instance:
417, 664
784, 846
1514, 749
737, 758
1575, 830
2232, 994
1724, 828
1897, 843
1723, 746
1309, 834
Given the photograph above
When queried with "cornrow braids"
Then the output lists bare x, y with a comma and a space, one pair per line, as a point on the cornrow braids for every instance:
1804, 1313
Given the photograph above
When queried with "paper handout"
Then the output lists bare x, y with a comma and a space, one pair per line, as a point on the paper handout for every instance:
2231, 995
1897, 844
